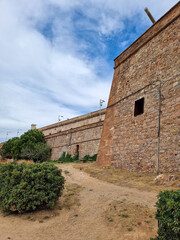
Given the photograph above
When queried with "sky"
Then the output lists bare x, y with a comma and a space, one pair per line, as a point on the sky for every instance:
56, 56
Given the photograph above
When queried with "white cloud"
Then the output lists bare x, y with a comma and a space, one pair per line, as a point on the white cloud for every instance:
45, 74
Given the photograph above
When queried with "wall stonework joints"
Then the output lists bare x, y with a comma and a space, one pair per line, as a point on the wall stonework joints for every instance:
154, 30
94, 125
130, 142
85, 131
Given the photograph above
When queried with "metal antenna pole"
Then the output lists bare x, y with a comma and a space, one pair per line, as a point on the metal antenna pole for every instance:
149, 15
59, 119
101, 101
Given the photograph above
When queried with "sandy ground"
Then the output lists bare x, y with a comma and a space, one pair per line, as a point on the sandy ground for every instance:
100, 214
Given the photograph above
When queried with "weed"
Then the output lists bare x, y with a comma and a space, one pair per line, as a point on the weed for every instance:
110, 219
124, 215
5, 214
130, 229
71, 196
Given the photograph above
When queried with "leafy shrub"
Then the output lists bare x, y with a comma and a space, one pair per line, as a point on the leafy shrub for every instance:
76, 157
86, 157
31, 146
29, 187
39, 153
9, 150
66, 157
168, 215
94, 157
90, 158
31, 138
16, 149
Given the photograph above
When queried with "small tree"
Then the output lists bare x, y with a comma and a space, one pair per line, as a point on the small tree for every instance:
31, 138
9, 150
39, 153
31, 146
16, 149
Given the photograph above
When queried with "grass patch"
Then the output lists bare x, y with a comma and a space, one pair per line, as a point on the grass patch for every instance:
128, 217
66, 172
142, 181
71, 195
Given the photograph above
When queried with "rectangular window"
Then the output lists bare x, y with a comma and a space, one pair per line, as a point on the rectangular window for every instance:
139, 107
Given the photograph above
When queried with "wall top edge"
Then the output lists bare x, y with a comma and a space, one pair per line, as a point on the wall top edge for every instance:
74, 120
150, 33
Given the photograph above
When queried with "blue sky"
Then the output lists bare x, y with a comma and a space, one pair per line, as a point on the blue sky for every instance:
57, 55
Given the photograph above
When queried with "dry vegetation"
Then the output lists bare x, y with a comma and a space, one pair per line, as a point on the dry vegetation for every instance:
130, 217
94, 210
141, 181
71, 196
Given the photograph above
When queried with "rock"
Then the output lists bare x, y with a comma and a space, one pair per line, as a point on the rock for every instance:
159, 178
172, 178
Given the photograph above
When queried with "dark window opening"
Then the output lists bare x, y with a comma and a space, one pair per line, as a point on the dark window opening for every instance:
139, 107
77, 149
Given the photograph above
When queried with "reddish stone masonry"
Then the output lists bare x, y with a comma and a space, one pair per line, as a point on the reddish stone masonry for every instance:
148, 69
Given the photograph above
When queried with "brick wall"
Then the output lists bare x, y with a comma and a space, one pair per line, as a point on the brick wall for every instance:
148, 69
84, 131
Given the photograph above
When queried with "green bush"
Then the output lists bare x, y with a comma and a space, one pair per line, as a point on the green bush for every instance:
29, 187
94, 157
31, 138
16, 149
66, 157
39, 153
90, 158
168, 215
9, 150
31, 146
75, 157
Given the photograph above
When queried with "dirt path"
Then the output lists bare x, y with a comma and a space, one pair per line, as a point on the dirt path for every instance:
96, 218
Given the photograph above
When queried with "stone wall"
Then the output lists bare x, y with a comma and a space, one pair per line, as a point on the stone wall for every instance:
148, 69
82, 132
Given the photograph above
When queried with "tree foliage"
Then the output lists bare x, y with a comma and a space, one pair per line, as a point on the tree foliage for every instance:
168, 215
8, 149
29, 187
40, 152
31, 145
31, 138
